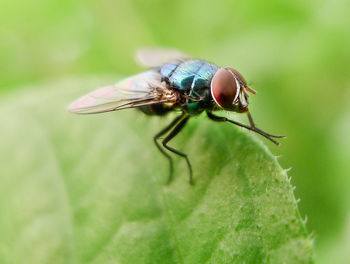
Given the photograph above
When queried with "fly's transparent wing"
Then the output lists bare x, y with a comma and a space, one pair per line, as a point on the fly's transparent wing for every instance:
154, 57
139, 90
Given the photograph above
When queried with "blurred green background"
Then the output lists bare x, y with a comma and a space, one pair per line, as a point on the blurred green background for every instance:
296, 54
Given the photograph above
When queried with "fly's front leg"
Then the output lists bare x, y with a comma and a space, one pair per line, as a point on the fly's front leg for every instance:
171, 135
252, 124
252, 128
161, 133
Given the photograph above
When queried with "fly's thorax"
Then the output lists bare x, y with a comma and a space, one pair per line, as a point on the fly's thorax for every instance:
191, 77
193, 108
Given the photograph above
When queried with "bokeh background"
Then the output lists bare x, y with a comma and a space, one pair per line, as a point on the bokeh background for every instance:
296, 54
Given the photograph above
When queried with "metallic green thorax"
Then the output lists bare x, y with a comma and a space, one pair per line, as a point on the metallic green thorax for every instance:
192, 80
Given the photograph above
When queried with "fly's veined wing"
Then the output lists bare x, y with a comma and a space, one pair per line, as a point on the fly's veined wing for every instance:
139, 90
153, 57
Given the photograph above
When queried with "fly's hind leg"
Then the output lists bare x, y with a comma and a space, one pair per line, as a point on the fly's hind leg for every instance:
161, 133
171, 135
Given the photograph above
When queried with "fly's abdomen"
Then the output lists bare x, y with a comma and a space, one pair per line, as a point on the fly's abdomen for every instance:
156, 109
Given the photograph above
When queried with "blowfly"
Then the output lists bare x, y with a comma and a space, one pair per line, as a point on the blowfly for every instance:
175, 81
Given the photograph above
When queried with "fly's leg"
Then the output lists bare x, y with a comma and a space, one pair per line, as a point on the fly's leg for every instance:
171, 135
252, 128
257, 129
161, 133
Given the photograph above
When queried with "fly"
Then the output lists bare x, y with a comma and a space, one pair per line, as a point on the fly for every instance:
175, 81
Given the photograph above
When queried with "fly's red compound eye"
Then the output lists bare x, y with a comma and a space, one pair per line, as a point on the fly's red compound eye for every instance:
238, 75
224, 88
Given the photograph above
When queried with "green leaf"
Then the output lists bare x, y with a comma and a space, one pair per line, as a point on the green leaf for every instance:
91, 189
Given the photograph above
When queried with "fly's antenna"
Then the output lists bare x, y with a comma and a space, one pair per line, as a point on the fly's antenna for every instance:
250, 90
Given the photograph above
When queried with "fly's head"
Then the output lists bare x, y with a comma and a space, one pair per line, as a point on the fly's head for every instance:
230, 90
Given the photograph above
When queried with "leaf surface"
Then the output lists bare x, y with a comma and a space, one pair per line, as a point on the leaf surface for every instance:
91, 188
